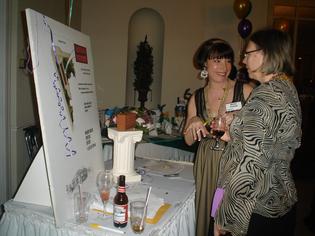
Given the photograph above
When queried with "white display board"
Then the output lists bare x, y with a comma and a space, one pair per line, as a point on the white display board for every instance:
65, 90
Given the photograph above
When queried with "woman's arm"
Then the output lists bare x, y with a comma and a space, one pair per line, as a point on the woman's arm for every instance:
228, 119
194, 129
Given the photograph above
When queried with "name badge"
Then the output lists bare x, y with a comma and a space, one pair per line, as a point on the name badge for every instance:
234, 106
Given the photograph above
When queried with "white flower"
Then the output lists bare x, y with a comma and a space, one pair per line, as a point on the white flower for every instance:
149, 126
140, 121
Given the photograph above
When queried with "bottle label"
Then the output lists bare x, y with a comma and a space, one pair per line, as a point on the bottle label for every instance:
120, 213
121, 189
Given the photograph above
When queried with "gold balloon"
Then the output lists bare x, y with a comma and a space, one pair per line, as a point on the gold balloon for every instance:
242, 8
282, 24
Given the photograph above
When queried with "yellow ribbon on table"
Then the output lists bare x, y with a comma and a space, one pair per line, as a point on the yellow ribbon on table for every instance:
158, 214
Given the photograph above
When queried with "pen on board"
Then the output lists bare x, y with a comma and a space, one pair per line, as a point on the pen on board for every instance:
98, 226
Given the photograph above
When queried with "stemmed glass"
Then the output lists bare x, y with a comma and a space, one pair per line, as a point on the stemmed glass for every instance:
218, 130
104, 182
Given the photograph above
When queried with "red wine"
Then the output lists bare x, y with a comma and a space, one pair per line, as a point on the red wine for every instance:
208, 128
218, 133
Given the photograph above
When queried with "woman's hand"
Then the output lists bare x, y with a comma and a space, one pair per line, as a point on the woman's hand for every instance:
229, 116
218, 230
196, 128
228, 120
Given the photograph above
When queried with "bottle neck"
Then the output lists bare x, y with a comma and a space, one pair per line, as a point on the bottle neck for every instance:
121, 189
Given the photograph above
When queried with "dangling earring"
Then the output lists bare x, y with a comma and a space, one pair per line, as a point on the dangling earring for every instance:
204, 73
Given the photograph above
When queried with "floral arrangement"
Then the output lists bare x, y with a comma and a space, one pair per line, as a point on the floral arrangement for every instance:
149, 121
144, 120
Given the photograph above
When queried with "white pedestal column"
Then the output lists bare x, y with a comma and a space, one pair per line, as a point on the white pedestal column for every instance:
124, 153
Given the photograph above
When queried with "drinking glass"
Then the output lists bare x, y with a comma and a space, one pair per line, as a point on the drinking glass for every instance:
81, 206
138, 215
207, 124
218, 130
104, 183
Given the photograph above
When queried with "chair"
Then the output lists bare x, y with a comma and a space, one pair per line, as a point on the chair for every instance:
33, 140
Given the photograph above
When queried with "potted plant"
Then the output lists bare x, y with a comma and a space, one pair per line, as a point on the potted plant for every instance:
143, 70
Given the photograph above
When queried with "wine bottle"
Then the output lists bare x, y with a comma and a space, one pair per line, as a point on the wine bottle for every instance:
121, 204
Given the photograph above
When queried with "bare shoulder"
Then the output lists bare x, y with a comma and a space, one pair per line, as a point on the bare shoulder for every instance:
191, 103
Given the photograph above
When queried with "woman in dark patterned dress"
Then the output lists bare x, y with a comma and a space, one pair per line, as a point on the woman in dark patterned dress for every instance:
259, 193
215, 59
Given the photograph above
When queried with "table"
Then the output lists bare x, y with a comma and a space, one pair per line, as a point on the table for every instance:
166, 148
155, 151
33, 220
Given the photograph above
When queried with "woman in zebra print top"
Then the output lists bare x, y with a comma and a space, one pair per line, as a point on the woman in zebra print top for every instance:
259, 192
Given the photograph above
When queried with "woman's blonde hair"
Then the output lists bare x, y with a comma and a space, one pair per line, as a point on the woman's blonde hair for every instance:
277, 48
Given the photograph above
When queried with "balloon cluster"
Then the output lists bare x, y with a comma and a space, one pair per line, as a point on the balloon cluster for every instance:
242, 9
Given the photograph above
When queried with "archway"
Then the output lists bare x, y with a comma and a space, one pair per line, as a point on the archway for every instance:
145, 22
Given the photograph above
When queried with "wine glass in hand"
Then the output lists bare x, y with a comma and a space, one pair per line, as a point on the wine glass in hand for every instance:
104, 183
218, 130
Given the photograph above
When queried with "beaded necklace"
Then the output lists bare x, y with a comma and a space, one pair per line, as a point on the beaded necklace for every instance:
281, 76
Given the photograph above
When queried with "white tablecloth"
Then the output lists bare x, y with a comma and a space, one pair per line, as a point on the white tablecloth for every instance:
23, 219
154, 151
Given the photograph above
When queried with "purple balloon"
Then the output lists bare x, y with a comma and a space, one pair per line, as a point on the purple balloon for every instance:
244, 28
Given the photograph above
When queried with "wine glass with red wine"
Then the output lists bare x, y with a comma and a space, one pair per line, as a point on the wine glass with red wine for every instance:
218, 130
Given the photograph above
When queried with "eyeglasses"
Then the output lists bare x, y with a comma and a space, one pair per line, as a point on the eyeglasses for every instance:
245, 54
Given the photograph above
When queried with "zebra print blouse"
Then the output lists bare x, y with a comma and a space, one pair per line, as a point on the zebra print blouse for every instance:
255, 166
